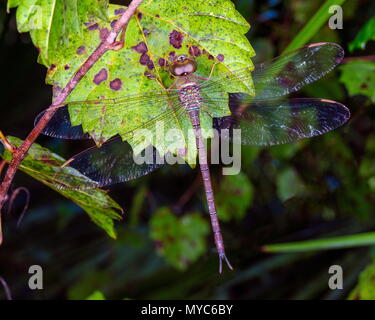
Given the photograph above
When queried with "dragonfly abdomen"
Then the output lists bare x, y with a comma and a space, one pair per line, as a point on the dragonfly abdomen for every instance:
191, 99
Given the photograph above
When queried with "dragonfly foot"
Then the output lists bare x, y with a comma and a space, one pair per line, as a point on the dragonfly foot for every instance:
222, 257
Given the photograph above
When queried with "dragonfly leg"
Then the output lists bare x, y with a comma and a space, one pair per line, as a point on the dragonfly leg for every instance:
222, 257
210, 75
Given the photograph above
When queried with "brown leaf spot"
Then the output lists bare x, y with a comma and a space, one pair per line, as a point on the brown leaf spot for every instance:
150, 65
149, 75
115, 84
56, 91
195, 51
103, 33
140, 47
364, 86
66, 67
172, 56
94, 26
140, 16
119, 11
146, 32
220, 57
81, 50
162, 62
101, 76
176, 38
211, 57
113, 22
146, 61
52, 67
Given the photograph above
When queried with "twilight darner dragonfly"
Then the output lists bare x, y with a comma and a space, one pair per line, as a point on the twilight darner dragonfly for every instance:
262, 119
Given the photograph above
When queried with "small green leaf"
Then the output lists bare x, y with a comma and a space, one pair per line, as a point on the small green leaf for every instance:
180, 240
359, 78
366, 34
234, 197
355, 240
96, 295
365, 288
289, 184
43, 165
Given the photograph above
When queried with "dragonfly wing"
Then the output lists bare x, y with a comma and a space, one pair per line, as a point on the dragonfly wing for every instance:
277, 122
112, 163
60, 126
108, 117
285, 74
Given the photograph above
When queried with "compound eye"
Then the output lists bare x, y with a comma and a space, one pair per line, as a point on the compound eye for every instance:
181, 58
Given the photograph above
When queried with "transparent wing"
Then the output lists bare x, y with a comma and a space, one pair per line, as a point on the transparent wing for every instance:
124, 114
60, 126
277, 122
285, 74
112, 163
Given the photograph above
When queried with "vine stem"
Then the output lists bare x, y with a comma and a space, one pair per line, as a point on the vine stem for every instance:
109, 43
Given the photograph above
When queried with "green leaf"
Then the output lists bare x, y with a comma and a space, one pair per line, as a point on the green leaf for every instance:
289, 184
43, 165
96, 295
355, 240
54, 24
365, 288
359, 78
313, 26
234, 197
180, 240
212, 28
366, 34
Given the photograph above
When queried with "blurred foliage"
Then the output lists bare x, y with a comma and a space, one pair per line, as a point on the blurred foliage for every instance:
96, 295
355, 240
366, 34
234, 196
289, 184
337, 198
365, 289
313, 24
359, 78
180, 240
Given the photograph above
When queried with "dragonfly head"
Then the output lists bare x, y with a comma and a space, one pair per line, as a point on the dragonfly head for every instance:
182, 66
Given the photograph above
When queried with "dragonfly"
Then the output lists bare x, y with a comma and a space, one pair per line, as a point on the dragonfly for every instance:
266, 119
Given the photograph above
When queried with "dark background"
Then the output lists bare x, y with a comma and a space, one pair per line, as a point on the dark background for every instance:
336, 199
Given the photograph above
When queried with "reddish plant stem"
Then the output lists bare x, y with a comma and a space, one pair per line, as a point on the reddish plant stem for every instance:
359, 58
107, 44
